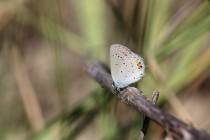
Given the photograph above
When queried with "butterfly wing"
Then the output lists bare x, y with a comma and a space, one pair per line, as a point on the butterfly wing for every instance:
118, 56
126, 66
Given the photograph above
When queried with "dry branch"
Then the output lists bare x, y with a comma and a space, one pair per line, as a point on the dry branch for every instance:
136, 100
146, 122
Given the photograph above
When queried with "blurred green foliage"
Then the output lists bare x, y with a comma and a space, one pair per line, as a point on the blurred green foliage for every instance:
173, 39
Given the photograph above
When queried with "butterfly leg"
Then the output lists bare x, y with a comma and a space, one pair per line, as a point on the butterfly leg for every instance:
118, 89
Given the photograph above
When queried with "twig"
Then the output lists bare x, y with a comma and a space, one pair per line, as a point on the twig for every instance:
146, 121
136, 100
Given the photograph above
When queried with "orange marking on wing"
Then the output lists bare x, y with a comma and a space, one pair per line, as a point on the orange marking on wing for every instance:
139, 65
125, 53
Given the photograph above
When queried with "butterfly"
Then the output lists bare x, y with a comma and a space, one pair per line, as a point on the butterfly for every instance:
126, 66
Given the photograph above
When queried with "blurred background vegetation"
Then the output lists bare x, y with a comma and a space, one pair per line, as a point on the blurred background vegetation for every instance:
44, 93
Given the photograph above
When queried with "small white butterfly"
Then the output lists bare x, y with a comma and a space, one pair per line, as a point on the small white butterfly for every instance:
126, 66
